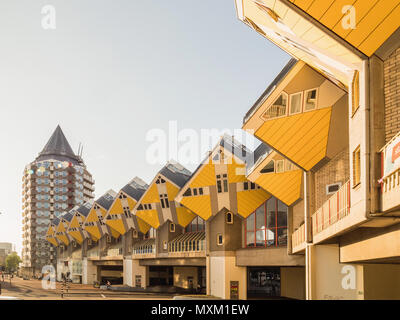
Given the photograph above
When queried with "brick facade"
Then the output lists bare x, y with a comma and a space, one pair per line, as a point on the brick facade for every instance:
336, 170
392, 94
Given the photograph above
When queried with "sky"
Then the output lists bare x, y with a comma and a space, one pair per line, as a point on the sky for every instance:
114, 74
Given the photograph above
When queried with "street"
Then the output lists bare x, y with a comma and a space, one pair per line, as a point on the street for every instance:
32, 290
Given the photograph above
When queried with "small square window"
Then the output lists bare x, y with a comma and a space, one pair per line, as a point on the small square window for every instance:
280, 166
310, 100
172, 227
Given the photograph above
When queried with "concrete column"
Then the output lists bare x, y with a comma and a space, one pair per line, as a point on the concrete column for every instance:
128, 272
89, 272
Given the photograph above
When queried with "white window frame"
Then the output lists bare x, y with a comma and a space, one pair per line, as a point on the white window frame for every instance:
301, 93
271, 104
305, 97
282, 162
222, 238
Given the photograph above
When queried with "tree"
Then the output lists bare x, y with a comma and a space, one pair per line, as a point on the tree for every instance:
12, 262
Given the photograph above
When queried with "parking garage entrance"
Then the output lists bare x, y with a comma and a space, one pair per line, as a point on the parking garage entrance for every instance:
263, 282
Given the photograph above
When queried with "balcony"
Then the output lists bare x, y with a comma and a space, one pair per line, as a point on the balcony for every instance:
144, 249
333, 211
188, 245
390, 182
299, 239
93, 253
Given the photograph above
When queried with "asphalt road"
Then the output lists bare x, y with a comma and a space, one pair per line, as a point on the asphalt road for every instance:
32, 290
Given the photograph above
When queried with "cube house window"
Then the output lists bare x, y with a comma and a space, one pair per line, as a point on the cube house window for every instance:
295, 103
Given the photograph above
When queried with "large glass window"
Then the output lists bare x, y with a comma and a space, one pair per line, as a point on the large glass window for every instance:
267, 226
198, 224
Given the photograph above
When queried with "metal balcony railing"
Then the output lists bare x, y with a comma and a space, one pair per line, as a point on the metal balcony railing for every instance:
188, 242
334, 209
299, 236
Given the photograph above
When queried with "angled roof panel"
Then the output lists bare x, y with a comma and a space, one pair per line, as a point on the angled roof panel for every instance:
58, 148
107, 199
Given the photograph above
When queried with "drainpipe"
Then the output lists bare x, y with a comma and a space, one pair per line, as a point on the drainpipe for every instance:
306, 228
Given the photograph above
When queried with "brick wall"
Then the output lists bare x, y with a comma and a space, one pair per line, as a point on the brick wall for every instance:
336, 170
392, 94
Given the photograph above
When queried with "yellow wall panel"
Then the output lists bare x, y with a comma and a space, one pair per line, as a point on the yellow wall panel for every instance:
131, 202
63, 239
114, 233
53, 241
50, 231
172, 190
234, 172
92, 216
143, 226
278, 184
249, 201
200, 205
373, 18
390, 23
94, 232
298, 135
205, 177
150, 217
151, 195
185, 216
116, 207
116, 225
77, 236
334, 14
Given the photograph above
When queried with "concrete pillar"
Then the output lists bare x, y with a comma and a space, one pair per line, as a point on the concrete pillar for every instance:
128, 272
89, 272
331, 280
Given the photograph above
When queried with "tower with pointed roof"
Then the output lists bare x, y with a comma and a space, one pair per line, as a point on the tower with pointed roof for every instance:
55, 182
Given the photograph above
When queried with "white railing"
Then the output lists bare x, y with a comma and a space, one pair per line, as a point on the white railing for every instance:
113, 252
299, 236
274, 111
145, 249
334, 209
187, 246
93, 253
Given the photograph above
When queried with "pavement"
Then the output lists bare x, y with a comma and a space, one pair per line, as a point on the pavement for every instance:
33, 290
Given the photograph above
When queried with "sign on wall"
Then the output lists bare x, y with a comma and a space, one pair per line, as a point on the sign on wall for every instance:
391, 157
234, 290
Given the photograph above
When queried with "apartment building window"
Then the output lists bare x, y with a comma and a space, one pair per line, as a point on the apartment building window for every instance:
220, 239
164, 201
197, 224
296, 102
270, 167
310, 100
229, 218
278, 108
267, 226
222, 183
355, 95
280, 166
356, 167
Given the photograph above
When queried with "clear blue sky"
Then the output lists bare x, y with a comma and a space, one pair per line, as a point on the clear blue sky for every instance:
112, 71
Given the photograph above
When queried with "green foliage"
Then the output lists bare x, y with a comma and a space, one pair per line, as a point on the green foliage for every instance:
12, 262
